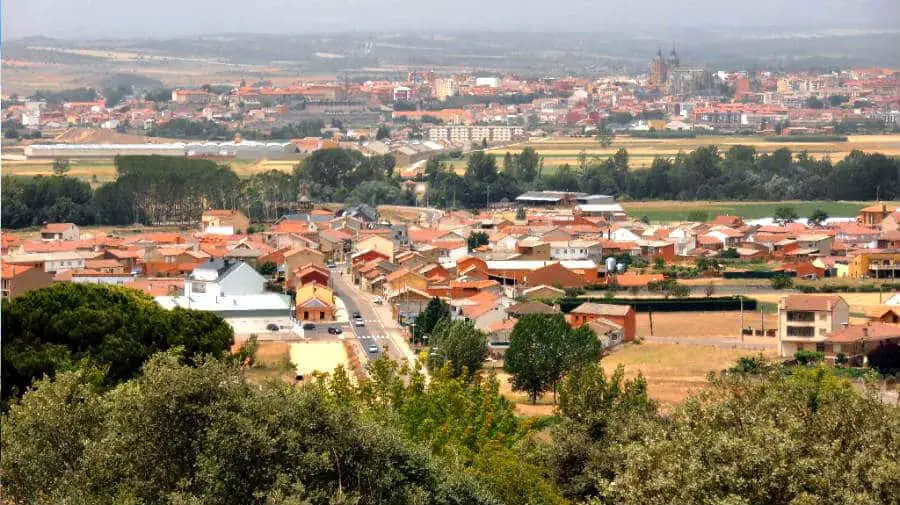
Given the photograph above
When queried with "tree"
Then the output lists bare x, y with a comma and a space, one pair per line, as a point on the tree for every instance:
782, 281
481, 167
837, 100
233, 442
885, 358
458, 344
384, 132
805, 357
527, 164
785, 214
543, 348
751, 426
477, 239
668, 288
709, 289
60, 166
267, 268
434, 312
814, 103
605, 137
729, 254
818, 217
59, 327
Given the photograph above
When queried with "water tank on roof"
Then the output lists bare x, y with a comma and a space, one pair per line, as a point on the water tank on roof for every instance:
620, 267
610, 264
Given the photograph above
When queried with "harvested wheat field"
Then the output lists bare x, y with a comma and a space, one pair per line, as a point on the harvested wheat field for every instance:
704, 325
560, 150
323, 357
674, 371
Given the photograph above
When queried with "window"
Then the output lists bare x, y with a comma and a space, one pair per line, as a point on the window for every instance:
322, 315
198, 287
823, 331
822, 316
836, 348
820, 347
800, 331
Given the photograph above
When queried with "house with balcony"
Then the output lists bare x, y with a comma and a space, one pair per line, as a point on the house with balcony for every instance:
876, 265
805, 321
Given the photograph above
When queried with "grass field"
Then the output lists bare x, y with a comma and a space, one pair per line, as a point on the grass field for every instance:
562, 150
674, 371
678, 210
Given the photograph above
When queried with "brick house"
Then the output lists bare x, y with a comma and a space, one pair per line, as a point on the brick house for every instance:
17, 280
621, 315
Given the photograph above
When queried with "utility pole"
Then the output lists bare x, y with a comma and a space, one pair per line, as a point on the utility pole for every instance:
741, 297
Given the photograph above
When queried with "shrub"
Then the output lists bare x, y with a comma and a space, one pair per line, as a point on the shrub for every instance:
805, 357
782, 282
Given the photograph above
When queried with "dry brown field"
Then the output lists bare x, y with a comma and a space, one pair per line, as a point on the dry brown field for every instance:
704, 325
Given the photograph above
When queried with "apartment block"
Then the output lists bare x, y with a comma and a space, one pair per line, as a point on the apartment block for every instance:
805, 321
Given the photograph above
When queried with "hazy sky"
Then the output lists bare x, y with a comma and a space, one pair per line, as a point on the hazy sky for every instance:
166, 18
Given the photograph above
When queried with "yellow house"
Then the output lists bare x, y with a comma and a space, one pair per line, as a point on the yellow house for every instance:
315, 302
879, 265
379, 244
403, 279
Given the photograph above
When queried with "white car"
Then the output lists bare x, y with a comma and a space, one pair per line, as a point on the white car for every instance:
377, 300
359, 322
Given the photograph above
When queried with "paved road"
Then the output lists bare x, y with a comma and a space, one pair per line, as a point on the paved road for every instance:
374, 332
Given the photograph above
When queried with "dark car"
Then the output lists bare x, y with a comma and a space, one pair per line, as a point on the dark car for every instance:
309, 326
272, 327
334, 330
356, 315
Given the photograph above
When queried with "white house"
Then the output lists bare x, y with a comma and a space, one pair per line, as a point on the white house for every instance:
578, 249
623, 234
685, 240
230, 289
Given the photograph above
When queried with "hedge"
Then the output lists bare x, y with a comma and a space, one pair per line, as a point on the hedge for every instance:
715, 303
754, 274
806, 138
846, 288
662, 134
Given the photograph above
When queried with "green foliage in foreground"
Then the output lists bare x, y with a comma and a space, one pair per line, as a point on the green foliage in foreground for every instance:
179, 434
68, 324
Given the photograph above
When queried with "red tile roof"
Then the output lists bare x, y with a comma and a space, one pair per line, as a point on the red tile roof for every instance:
870, 332
811, 302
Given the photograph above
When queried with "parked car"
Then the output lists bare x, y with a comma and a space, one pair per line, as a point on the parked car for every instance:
377, 300
359, 322
356, 315
309, 326
334, 330
272, 327
372, 348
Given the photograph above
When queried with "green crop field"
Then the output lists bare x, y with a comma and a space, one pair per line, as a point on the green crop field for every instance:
664, 211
